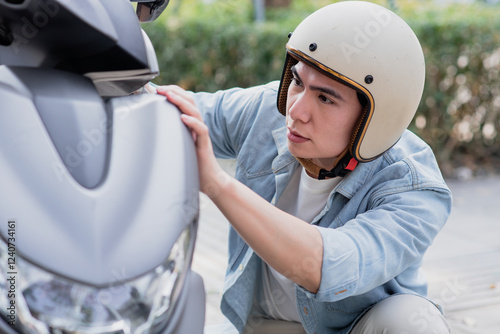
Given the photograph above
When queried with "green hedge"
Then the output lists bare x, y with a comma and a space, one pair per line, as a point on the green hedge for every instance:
461, 103
200, 56
459, 115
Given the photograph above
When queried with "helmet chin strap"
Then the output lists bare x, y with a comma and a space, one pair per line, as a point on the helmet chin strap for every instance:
343, 165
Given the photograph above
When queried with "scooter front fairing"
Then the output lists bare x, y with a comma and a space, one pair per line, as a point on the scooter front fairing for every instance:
99, 192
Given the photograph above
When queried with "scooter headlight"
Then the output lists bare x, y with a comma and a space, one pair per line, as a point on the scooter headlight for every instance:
38, 301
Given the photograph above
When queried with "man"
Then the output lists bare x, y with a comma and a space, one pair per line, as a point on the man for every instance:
334, 204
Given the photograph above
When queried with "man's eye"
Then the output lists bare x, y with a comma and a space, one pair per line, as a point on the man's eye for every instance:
295, 81
324, 99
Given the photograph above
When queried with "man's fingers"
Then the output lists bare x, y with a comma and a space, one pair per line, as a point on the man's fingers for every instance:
165, 90
198, 128
186, 105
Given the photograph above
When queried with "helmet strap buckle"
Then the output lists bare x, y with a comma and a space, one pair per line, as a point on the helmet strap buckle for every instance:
342, 168
344, 165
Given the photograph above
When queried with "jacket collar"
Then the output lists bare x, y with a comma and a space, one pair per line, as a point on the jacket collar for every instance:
353, 181
284, 157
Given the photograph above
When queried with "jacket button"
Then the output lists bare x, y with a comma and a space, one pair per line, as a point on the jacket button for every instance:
305, 310
241, 267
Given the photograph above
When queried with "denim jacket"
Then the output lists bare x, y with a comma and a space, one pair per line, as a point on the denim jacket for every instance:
376, 226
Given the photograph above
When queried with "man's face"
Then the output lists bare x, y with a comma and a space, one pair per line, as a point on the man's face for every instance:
320, 116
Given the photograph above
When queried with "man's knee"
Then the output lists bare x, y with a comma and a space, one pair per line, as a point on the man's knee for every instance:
403, 314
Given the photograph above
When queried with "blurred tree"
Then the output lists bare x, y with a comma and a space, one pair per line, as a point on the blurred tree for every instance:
393, 5
215, 45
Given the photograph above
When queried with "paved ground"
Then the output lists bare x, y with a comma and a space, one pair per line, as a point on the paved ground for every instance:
463, 264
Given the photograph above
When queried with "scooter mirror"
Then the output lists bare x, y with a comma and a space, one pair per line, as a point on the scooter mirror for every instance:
150, 10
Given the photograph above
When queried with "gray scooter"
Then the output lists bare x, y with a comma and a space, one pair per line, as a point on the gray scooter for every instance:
99, 187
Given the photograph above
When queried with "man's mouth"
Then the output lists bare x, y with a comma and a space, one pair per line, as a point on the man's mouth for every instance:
296, 137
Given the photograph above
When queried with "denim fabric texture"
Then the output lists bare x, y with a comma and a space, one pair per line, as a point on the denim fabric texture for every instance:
376, 225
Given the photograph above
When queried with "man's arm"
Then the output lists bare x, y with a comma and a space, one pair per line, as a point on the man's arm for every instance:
283, 241
280, 239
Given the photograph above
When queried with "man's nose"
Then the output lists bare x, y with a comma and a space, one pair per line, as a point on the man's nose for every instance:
299, 108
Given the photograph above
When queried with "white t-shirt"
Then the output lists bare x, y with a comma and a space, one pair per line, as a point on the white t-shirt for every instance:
304, 197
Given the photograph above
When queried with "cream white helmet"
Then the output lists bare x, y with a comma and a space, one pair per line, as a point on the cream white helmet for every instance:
372, 50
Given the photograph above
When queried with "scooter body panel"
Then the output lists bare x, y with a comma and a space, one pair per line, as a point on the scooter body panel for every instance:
126, 222
100, 184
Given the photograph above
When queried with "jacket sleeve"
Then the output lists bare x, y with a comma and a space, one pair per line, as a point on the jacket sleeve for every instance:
231, 114
388, 238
